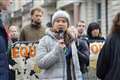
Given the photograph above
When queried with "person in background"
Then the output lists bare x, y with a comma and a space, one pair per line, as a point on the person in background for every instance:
4, 68
108, 64
54, 52
81, 29
94, 32
83, 50
35, 30
32, 33
14, 34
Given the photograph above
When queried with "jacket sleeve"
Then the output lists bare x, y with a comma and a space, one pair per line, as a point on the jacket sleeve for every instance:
47, 59
103, 62
83, 52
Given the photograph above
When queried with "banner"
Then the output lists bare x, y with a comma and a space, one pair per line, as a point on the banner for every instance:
24, 54
95, 47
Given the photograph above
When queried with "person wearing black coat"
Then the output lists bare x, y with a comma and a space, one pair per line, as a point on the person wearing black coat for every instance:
4, 69
82, 48
108, 64
3, 54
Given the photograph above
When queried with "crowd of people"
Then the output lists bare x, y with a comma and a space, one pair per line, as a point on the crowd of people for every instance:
63, 51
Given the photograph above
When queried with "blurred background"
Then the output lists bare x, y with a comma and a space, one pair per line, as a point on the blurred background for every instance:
101, 11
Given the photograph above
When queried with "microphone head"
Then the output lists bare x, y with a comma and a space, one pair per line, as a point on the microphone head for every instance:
61, 33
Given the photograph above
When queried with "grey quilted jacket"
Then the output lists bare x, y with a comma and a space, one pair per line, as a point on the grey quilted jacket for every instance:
51, 58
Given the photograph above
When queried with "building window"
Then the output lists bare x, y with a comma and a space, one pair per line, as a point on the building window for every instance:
99, 13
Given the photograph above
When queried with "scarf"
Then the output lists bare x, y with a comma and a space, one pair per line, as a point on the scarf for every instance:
78, 74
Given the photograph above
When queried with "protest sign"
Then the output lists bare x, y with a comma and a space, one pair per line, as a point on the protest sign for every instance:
95, 47
24, 54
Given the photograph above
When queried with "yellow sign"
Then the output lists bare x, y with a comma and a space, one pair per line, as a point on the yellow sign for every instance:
95, 48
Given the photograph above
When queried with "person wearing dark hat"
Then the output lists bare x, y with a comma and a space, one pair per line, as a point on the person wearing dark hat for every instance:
94, 31
94, 35
55, 49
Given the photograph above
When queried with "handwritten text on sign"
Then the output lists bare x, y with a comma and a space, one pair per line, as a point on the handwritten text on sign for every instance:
24, 50
24, 54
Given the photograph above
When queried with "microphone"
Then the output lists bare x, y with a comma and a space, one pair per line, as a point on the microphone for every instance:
61, 33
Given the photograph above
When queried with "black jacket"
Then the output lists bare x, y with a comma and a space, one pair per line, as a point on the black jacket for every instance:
83, 54
108, 64
3, 50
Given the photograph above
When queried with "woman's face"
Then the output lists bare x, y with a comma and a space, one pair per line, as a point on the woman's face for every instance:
60, 23
13, 32
95, 32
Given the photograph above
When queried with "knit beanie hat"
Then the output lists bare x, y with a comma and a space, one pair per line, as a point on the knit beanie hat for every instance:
60, 14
